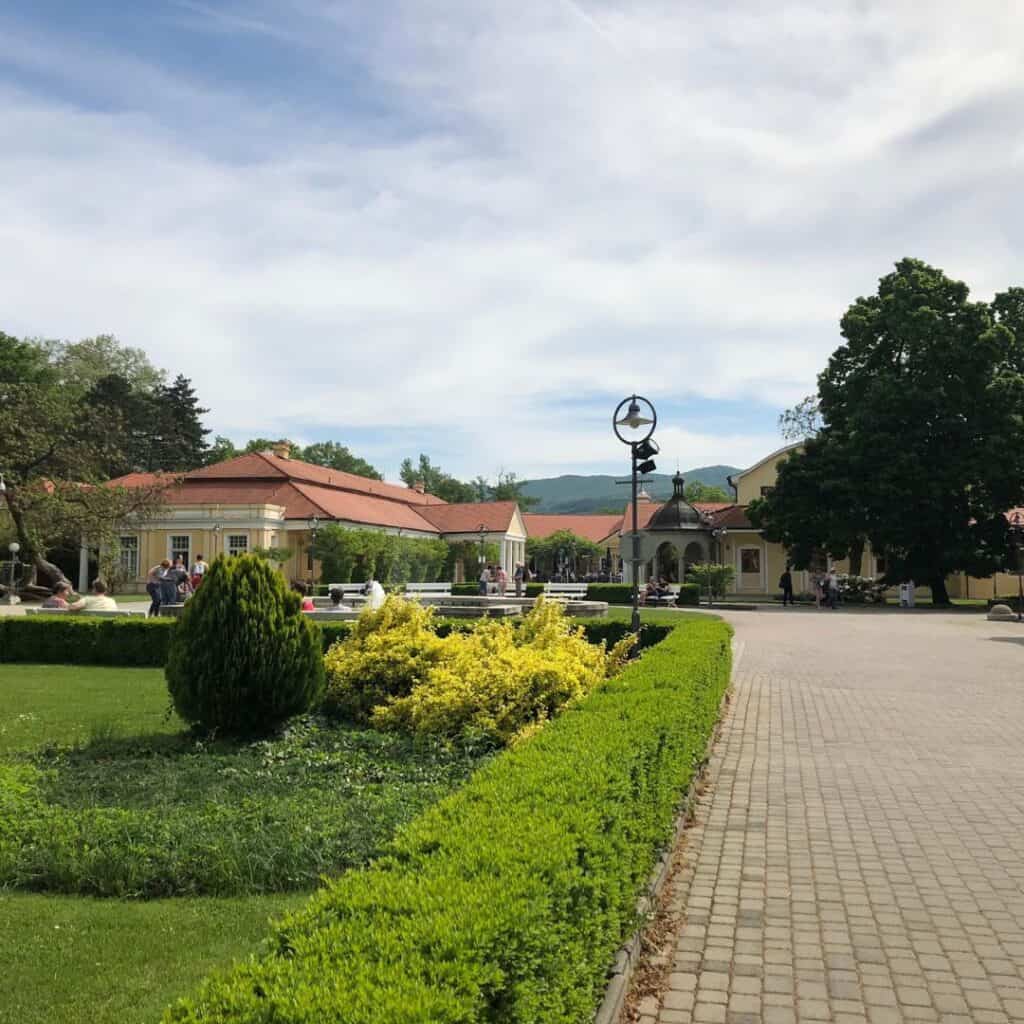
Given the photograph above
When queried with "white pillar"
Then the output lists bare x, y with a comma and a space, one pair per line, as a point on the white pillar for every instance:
83, 568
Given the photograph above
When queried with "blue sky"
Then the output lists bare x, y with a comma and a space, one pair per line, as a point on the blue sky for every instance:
468, 228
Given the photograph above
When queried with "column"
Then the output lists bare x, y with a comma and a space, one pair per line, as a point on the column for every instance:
83, 568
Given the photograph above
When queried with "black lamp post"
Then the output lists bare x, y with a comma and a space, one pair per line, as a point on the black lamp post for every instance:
634, 422
719, 534
1017, 532
314, 525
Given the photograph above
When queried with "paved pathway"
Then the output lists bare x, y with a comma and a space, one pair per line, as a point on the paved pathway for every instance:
861, 853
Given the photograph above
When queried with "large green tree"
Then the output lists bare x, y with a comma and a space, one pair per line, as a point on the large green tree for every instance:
337, 456
435, 481
921, 444
54, 457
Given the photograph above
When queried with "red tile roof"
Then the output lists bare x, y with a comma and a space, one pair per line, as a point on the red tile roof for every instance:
594, 527
496, 516
264, 465
733, 517
644, 514
143, 480
360, 508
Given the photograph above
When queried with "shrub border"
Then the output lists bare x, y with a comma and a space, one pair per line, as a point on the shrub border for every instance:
499, 964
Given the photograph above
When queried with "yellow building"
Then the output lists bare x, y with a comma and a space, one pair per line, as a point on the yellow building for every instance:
268, 500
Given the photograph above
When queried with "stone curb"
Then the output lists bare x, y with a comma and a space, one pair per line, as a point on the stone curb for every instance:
621, 974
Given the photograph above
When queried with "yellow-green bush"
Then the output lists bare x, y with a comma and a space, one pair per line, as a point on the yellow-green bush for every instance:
490, 683
389, 650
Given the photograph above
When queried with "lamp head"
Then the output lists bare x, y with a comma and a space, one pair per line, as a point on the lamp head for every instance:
14, 547
634, 419
646, 467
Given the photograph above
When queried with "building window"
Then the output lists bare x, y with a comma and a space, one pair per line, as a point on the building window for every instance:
238, 543
750, 560
129, 557
180, 547
766, 491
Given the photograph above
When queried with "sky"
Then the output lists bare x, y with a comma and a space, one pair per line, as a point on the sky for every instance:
470, 227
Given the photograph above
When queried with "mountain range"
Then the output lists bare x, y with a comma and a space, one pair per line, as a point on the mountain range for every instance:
601, 493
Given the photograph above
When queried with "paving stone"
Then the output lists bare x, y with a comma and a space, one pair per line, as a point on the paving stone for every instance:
859, 854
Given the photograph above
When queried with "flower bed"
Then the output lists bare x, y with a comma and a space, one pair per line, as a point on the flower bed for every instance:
507, 900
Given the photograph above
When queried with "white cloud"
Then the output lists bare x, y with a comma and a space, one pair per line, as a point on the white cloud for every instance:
563, 198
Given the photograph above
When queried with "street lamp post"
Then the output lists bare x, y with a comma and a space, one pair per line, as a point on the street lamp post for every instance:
11, 597
314, 525
719, 534
1017, 532
634, 421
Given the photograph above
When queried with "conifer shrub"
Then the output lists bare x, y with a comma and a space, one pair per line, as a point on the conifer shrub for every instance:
243, 658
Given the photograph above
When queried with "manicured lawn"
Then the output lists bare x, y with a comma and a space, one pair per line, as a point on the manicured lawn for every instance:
121, 799
64, 705
668, 616
76, 960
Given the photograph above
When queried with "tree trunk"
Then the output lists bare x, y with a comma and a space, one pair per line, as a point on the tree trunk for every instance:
28, 555
856, 556
940, 596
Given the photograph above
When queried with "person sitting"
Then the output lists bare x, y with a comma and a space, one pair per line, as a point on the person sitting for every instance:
307, 604
98, 601
337, 596
59, 598
374, 594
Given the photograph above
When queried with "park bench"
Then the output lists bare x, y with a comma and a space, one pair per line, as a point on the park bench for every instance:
347, 589
664, 599
428, 589
120, 613
565, 591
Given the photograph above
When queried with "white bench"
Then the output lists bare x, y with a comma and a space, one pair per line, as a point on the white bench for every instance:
669, 598
347, 589
120, 613
566, 591
429, 589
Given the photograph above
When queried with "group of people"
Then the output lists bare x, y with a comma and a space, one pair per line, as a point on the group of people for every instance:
97, 600
172, 583
825, 586
497, 577
656, 588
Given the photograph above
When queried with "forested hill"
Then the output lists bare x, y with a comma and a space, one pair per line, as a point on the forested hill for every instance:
597, 493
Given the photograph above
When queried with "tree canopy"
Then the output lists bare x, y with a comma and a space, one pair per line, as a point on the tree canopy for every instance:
53, 458
919, 449
437, 482
697, 491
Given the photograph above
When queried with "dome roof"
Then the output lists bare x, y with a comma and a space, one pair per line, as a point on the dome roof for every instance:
677, 513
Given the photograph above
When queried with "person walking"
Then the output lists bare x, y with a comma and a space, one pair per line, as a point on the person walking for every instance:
485, 581
502, 580
832, 589
786, 584
154, 578
518, 577
819, 591
199, 570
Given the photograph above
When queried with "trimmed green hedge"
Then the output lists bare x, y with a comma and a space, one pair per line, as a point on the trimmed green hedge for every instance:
138, 642
506, 901
69, 640
622, 593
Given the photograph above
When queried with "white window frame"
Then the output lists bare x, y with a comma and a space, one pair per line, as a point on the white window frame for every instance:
171, 537
132, 570
228, 538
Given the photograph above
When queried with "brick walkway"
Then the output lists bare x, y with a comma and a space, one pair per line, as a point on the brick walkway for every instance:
860, 855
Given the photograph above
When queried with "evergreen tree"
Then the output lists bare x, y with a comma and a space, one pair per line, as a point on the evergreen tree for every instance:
243, 658
179, 441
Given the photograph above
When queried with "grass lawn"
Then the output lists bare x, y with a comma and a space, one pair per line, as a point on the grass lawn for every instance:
669, 616
76, 960
122, 799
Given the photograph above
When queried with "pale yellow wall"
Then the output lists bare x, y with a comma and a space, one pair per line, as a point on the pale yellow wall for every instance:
748, 486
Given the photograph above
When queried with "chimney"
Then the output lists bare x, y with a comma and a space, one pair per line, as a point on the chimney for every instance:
283, 449
419, 487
